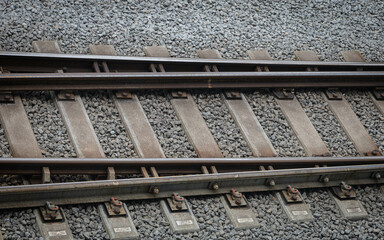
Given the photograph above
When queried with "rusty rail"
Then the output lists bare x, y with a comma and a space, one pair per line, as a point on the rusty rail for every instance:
38, 71
187, 185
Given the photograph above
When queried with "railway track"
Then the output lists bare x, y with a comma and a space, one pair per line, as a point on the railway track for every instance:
151, 173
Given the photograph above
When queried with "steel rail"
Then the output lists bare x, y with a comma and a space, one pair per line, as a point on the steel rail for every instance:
189, 185
77, 162
52, 57
185, 80
167, 166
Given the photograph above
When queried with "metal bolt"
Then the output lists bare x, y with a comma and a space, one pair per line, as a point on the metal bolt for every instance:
116, 210
375, 153
155, 190
377, 176
215, 186
124, 94
325, 179
67, 95
271, 182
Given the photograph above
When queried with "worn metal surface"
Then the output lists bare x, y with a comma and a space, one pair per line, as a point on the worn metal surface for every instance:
18, 129
168, 165
138, 128
193, 123
81, 62
344, 113
134, 118
250, 127
245, 119
197, 130
174, 80
79, 127
189, 185
302, 126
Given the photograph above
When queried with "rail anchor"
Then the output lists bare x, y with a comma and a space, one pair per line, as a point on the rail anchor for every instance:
177, 203
115, 208
51, 213
344, 191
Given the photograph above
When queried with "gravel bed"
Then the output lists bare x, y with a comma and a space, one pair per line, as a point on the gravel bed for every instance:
10, 180
108, 125
369, 115
328, 223
233, 27
325, 123
221, 124
4, 145
47, 124
18, 225
85, 222
165, 124
274, 124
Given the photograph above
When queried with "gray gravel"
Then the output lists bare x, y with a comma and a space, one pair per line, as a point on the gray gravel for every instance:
325, 123
221, 124
233, 27
4, 145
47, 125
274, 124
165, 124
108, 126
328, 223
18, 225
365, 109
85, 222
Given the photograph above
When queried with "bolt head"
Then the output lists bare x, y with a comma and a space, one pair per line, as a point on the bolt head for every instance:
155, 190
325, 180
215, 186
272, 183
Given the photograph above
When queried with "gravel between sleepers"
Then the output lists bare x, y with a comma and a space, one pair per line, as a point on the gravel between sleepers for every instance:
19, 225
221, 124
274, 124
325, 123
365, 109
165, 124
47, 125
108, 125
85, 222
4, 145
